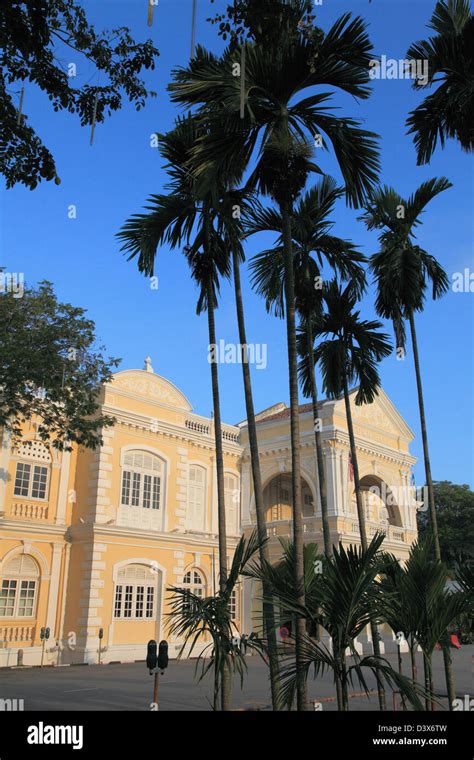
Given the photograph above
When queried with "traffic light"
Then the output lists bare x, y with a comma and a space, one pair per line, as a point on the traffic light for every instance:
151, 656
163, 656
101, 633
42, 633
46, 633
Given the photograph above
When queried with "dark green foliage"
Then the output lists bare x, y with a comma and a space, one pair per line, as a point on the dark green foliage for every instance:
448, 112
30, 33
50, 367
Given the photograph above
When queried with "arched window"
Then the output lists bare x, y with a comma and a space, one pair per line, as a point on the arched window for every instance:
32, 471
19, 587
193, 581
196, 514
231, 498
135, 593
141, 480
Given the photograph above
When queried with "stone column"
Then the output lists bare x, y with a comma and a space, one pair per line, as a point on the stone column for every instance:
5, 453
53, 593
63, 488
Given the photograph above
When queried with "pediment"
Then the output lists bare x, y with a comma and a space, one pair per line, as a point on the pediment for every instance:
149, 386
381, 415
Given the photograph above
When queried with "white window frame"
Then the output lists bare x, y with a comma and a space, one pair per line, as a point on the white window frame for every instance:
135, 594
230, 493
20, 579
139, 474
191, 522
32, 465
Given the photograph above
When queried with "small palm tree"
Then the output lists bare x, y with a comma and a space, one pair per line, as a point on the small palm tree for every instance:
430, 605
313, 246
395, 609
207, 621
350, 351
343, 600
278, 131
449, 111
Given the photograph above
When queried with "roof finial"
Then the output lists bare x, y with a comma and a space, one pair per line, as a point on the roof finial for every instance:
147, 367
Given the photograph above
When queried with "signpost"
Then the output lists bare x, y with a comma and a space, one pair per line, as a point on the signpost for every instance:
44, 636
101, 636
156, 662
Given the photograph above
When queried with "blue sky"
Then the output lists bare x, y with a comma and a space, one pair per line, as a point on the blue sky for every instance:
112, 179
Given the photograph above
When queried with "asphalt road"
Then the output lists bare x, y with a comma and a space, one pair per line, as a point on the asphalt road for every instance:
130, 687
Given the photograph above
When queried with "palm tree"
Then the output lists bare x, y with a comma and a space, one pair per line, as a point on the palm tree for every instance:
447, 57
395, 609
403, 271
343, 599
195, 619
350, 352
185, 216
172, 218
232, 235
430, 606
313, 246
277, 132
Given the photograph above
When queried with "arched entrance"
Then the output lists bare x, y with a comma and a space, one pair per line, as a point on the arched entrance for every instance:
379, 502
278, 500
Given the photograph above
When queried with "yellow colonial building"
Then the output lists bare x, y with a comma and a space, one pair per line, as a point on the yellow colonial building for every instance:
92, 540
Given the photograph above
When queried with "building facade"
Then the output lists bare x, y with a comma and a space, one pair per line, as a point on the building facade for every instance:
91, 541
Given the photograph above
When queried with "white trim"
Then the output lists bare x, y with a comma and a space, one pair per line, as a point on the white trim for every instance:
33, 552
160, 592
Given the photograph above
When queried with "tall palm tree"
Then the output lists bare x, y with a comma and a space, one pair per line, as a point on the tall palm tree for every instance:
403, 271
313, 246
349, 352
184, 216
275, 134
231, 200
449, 111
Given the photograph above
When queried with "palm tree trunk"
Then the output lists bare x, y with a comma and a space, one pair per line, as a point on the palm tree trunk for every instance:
268, 611
400, 670
414, 669
429, 704
301, 688
448, 667
225, 693
362, 526
319, 445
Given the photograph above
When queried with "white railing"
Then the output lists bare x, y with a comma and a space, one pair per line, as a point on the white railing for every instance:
16, 633
29, 511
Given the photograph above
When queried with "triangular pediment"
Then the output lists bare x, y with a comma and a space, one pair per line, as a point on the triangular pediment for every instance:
381, 415
149, 386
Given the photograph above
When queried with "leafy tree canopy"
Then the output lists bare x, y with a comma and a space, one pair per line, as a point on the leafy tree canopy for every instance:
258, 19
455, 513
32, 33
51, 371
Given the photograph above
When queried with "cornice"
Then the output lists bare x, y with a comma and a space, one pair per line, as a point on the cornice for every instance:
30, 526
95, 532
170, 430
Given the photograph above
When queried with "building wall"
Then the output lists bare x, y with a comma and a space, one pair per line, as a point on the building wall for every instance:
80, 542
